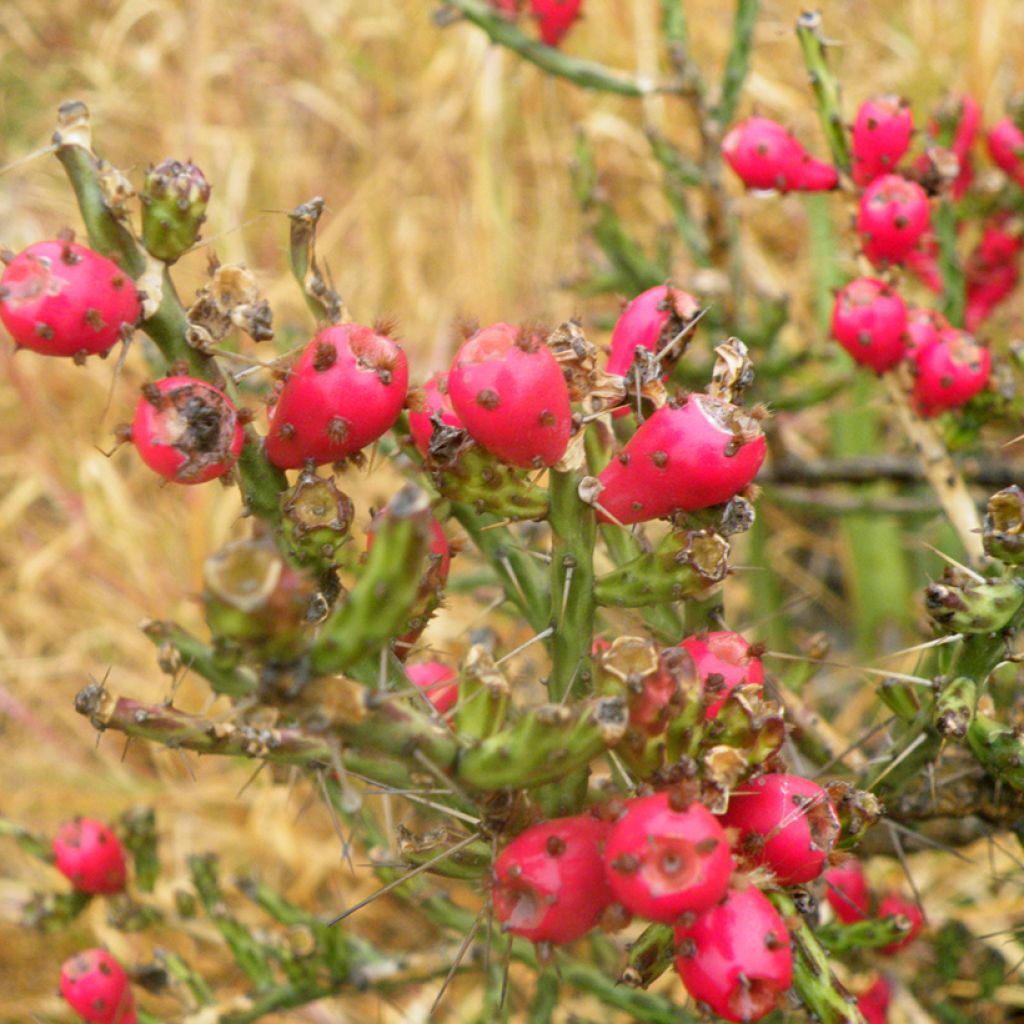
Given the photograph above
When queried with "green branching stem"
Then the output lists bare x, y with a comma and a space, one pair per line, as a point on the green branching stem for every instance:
950, 265
33, 844
196, 656
574, 530
737, 63
545, 997
825, 85
584, 73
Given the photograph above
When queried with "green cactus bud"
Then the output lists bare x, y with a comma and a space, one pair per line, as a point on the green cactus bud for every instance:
483, 695
465, 472
999, 748
174, 197
546, 744
870, 934
138, 833
685, 563
961, 604
858, 810
954, 708
1003, 526
650, 956
316, 518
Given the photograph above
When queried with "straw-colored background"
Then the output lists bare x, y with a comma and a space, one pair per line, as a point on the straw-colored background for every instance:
444, 165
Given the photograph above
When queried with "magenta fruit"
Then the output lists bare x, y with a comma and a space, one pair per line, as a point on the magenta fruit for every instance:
650, 321
724, 660
96, 987
923, 328
1006, 147
437, 681
508, 390
896, 905
664, 861
683, 457
549, 882
766, 156
346, 390
555, 18
846, 890
869, 320
949, 372
735, 957
893, 217
434, 402
874, 1003
992, 269
61, 299
881, 135
186, 430
90, 856
786, 823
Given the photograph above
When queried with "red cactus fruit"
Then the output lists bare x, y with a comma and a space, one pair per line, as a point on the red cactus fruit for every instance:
881, 135
846, 890
724, 660
436, 681
345, 391
650, 321
893, 217
61, 299
786, 823
665, 860
923, 262
90, 856
186, 430
923, 328
555, 18
1006, 147
735, 957
549, 882
869, 320
949, 372
510, 8
894, 904
96, 987
509, 392
766, 156
435, 403
687, 456
874, 1003
992, 270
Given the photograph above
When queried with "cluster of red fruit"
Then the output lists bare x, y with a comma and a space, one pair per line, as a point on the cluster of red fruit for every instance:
554, 17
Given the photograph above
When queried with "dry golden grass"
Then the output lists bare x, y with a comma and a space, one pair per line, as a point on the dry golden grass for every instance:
443, 163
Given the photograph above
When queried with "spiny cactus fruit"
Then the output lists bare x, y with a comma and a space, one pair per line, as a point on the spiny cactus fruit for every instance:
96, 987
174, 197
686, 456
508, 390
874, 1002
881, 135
735, 957
438, 681
665, 858
427, 403
786, 823
949, 372
724, 660
555, 18
895, 905
765, 155
924, 325
893, 216
90, 856
186, 430
992, 268
59, 298
650, 321
869, 319
346, 390
1006, 147
846, 890
549, 882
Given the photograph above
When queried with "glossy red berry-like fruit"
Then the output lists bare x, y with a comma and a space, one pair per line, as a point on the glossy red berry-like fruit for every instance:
895, 904
437, 681
90, 856
549, 882
346, 390
650, 321
62, 299
435, 403
724, 660
846, 890
786, 823
893, 216
881, 135
684, 456
924, 326
96, 987
664, 861
1006, 147
735, 957
992, 269
765, 155
923, 262
874, 1003
949, 372
186, 430
508, 390
869, 320
555, 18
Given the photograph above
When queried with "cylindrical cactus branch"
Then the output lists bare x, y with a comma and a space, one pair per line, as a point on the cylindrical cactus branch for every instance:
810, 32
180, 650
872, 934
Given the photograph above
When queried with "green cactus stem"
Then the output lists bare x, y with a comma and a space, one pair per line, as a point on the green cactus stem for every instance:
185, 975
574, 531
323, 301
32, 843
840, 938
811, 35
954, 295
954, 707
138, 833
1003, 526
179, 650
685, 564
174, 197
737, 63
999, 748
650, 956
54, 911
469, 863
483, 696
379, 605
548, 743
815, 982
961, 604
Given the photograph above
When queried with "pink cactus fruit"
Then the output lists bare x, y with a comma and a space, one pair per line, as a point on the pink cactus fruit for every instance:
555, 18
96, 987
438, 681
881, 136
949, 372
869, 320
90, 856
724, 660
432, 401
765, 155
893, 217
1006, 147
846, 890
894, 904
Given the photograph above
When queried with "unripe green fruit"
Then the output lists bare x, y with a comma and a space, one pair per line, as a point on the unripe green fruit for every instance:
174, 197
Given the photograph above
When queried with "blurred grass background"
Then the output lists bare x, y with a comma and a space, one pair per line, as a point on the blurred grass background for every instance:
443, 162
